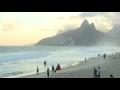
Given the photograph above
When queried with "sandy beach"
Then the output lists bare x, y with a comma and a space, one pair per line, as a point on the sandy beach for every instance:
110, 65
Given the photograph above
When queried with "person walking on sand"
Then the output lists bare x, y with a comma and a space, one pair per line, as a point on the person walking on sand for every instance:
95, 73
48, 72
98, 72
85, 59
37, 70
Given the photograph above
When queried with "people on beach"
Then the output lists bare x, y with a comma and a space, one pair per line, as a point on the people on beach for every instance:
37, 70
52, 68
44, 63
57, 68
111, 76
104, 55
95, 73
85, 59
48, 72
98, 72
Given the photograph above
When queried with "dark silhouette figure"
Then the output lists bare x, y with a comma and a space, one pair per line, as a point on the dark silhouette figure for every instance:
48, 72
85, 59
37, 70
104, 55
95, 73
98, 72
52, 68
44, 63
111, 76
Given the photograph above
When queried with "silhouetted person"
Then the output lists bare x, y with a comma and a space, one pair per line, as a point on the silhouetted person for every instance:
95, 73
52, 68
37, 70
85, 59
111, 76
48, 72
104, 56
98, 72
44, 63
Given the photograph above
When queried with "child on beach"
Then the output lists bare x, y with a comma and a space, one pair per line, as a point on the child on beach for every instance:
111, 76
37, 70
98, 72
95, 73
48, 72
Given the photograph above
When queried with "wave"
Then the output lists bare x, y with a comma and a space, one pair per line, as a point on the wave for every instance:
12, 57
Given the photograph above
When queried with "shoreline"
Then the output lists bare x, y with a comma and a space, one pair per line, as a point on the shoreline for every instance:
34, 73
82, 69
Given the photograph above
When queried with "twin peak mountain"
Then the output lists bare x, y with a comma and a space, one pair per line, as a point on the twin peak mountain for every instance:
85, 35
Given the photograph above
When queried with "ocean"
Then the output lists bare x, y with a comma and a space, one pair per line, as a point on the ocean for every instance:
21, 60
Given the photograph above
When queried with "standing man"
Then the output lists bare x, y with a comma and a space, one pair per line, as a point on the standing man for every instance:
85, 59
44, 63
98, 72
37, 70
48, 72
52, 68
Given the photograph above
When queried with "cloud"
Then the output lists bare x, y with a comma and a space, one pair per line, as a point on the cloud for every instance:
92, 14
61, 18
8, 26
114, 18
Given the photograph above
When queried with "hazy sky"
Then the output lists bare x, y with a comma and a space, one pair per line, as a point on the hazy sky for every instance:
23, 28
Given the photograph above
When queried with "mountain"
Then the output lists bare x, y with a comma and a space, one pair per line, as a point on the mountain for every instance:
68, 28
115, 31
85, 35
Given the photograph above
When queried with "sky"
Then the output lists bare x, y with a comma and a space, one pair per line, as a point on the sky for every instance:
24, 28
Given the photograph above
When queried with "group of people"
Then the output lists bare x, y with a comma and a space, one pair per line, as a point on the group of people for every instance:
104, 55
98, 72
53, 69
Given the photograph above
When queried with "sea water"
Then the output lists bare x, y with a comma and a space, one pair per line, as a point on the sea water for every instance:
20, 60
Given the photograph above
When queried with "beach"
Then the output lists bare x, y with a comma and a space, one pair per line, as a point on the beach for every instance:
109, 65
